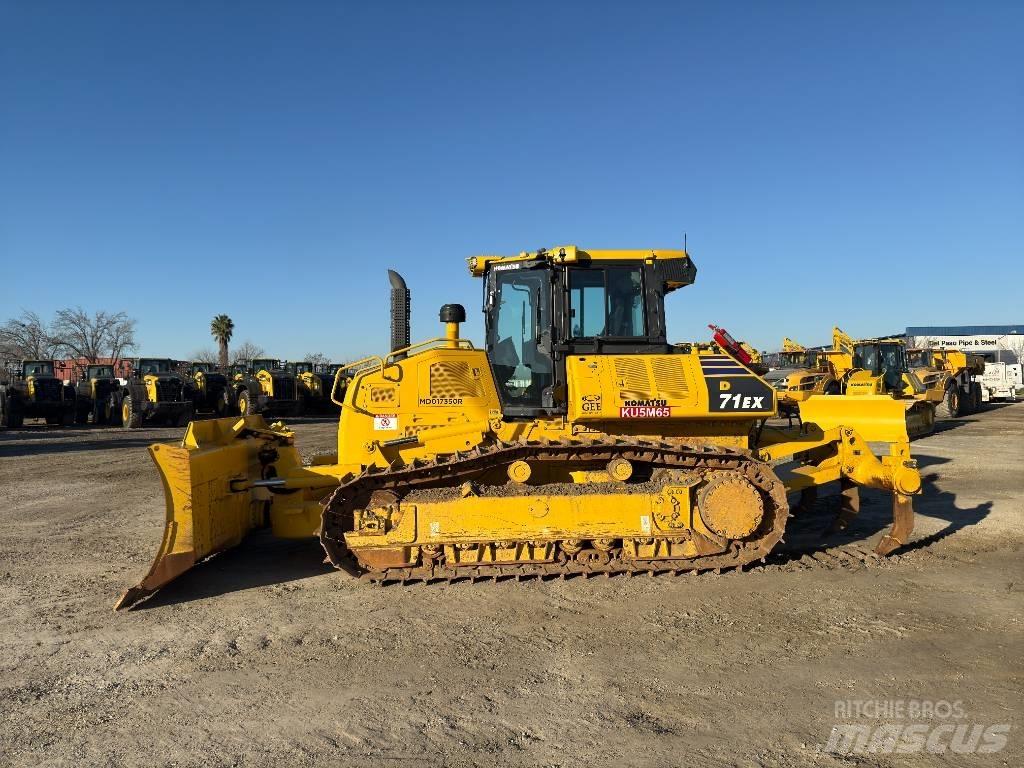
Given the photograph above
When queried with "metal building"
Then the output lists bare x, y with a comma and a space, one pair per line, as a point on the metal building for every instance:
1000, 343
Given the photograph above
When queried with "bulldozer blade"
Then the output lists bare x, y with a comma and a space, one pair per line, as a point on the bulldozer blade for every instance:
877, 418
209, 507
902, 525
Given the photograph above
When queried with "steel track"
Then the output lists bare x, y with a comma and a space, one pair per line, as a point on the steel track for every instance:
450, 471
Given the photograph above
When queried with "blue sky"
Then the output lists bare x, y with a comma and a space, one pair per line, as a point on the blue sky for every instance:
858, 163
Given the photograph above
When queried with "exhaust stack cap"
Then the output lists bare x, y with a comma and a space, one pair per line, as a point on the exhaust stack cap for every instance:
453, 313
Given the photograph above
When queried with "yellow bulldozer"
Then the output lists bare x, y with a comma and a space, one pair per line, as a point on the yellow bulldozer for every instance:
880, 367
577, 440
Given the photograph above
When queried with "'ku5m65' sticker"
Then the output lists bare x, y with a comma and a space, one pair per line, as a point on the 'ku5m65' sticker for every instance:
739, 393
645, 409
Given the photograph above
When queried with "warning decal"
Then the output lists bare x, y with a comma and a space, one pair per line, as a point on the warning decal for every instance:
385, 422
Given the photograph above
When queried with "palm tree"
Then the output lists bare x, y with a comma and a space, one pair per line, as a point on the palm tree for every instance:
221, 328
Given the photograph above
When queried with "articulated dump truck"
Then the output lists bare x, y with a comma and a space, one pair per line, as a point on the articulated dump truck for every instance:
577, 440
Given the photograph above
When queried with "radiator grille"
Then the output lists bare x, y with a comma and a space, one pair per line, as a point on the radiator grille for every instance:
168, 390
453, 379
661, 377
48, 390
632, 378
670, 378
102, 389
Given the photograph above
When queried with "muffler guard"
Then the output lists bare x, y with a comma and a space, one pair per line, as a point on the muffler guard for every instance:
210, 504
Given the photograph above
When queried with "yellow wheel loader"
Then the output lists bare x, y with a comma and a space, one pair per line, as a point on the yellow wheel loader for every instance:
310, 386
34, 391
92, 394
209, 389
327, 372
576, 441
262, 386
948, 374
155, 392
801, 374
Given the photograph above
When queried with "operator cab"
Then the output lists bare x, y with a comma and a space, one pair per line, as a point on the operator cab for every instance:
99, 372
149, 366
919, 358
37, 368
266, 364
540, 308
804, 359
887, 359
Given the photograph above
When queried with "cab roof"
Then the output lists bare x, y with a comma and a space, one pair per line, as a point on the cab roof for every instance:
571, 254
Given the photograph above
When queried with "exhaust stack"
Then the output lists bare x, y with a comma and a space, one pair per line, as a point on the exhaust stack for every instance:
400, 304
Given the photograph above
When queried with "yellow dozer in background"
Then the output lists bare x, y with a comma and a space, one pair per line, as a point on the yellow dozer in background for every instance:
880, 367
577, 440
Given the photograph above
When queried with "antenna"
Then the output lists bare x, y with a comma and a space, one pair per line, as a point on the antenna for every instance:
684, 243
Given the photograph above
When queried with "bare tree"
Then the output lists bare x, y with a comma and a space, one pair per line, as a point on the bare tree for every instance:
317, 358
206, 356
1015, 343
26, 338
121, 338
246, 351
101, 334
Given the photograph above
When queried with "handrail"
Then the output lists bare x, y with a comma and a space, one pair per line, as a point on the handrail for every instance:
462, 343
337, 374
382, 362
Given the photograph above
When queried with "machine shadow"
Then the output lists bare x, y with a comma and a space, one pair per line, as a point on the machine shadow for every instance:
260, 561
807, 531
37, 448
947, 425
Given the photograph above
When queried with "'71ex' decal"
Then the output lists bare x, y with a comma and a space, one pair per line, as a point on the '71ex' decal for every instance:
742, 402
739, 393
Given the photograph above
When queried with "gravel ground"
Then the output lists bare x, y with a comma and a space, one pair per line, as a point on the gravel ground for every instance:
264, 656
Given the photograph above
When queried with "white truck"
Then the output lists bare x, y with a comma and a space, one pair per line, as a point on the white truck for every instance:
1000, 381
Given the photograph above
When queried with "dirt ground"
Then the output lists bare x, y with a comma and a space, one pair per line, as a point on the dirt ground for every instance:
266, 657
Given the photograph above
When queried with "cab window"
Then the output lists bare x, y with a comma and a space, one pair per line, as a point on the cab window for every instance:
522, 368
38, 369
607, 303
154, 366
